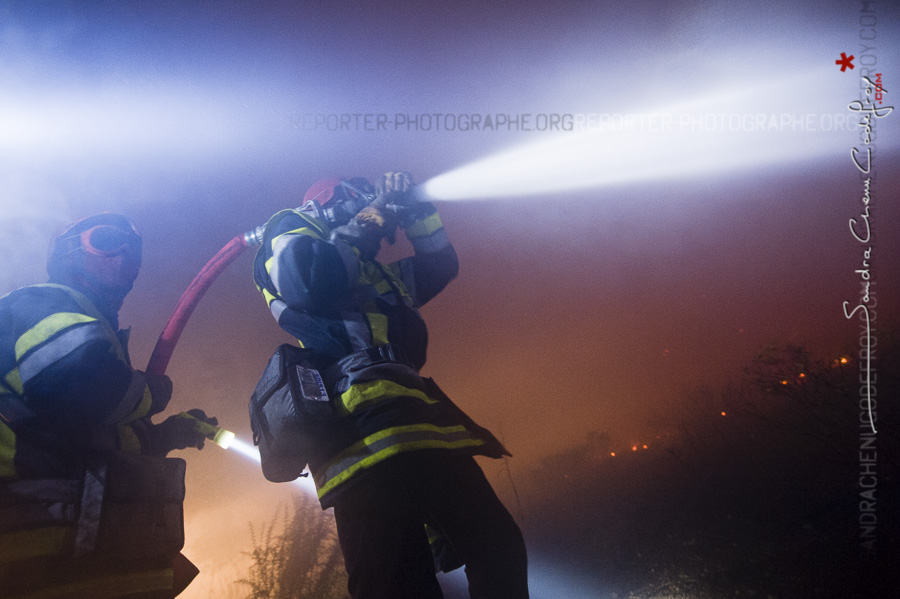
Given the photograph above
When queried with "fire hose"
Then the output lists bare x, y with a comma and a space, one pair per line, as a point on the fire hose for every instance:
168, 339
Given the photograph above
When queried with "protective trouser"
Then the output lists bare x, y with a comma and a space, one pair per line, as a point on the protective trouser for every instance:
381, 520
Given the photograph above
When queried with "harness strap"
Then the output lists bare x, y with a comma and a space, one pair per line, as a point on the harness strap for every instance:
365, 357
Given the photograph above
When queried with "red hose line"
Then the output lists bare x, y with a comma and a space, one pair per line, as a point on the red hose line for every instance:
165, 345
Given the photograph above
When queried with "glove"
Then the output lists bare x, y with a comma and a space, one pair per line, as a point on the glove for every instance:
396, 192
160, 391
366, 230
178, 432
395, 188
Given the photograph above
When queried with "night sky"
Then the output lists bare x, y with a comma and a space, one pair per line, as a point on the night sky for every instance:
591, 308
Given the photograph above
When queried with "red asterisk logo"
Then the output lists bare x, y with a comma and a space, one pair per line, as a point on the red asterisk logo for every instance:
845, 61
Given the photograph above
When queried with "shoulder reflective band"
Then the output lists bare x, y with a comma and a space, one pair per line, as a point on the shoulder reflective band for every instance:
46, 328
48, 353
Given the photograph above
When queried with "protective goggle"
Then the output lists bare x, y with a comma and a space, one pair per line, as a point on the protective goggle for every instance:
108, 241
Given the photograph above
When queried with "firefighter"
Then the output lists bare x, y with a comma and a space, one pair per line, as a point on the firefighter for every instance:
397, 466
89, 504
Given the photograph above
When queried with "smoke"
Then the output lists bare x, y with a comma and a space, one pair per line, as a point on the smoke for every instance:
31, 208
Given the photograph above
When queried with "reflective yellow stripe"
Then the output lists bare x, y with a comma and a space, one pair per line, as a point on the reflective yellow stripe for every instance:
377, 275
66, 341
108, 587
378, 324
142, 408
90, 309
128, 440
392, 271
46, 328
301, 231
367, 274
427, 226
434, 535
26, 544
363, 394
394, 450
7, 452
14, 380
268, 296
382, 287
384, 444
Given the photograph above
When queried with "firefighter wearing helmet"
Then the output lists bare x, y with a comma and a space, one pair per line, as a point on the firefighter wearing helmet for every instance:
89, 504
397, 464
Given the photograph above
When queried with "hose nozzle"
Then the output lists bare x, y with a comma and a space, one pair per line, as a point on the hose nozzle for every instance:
255, 237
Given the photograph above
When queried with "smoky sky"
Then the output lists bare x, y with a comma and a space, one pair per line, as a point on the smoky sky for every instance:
581, 311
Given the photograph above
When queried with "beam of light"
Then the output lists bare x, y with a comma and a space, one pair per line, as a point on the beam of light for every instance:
250, 451
737, 127
82, 124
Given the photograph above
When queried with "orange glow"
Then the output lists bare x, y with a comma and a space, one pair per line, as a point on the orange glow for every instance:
723, 413
634, 448
843, 360
612, 453
784, 382
645, 447
802, 376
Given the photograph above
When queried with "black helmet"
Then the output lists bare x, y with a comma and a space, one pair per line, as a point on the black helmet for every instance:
100, 252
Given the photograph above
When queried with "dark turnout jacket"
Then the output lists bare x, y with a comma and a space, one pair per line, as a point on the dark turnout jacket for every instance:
361, 319
84, 511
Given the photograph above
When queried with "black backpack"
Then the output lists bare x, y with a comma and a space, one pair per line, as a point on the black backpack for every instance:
289, 406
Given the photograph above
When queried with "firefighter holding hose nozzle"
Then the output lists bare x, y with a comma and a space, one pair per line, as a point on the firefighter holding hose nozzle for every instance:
90, 506
397, 462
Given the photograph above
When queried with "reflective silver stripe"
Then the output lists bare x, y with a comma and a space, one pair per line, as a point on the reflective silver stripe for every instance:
277, 307
278, 246
382, 445
431, 243
88, 308
47, 328
35, 362
131, 399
